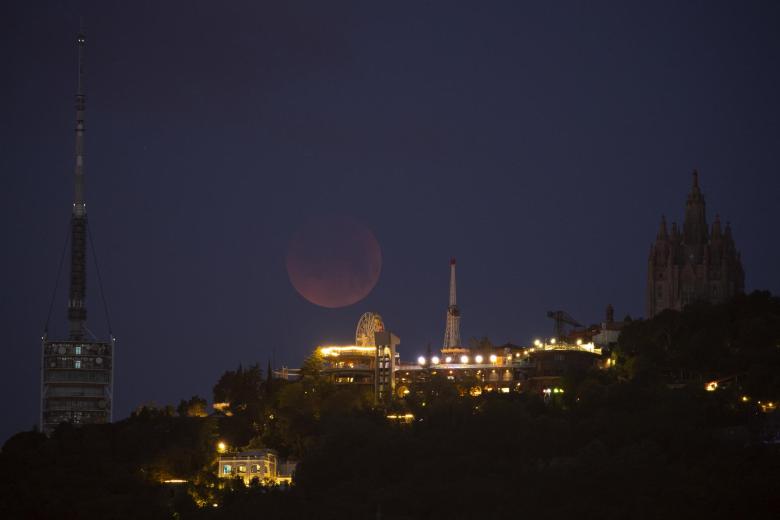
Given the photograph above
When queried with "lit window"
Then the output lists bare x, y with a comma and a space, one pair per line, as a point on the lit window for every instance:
227, 469
254, 468
242, 469
78, 350
77, 363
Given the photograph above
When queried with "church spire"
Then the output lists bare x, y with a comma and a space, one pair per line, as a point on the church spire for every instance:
716, 231
695, 224
727, 233
662, 233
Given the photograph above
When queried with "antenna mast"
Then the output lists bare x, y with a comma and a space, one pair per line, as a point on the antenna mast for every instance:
77, 310
452, 332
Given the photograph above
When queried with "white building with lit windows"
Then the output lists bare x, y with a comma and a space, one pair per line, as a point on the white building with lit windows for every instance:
264, 465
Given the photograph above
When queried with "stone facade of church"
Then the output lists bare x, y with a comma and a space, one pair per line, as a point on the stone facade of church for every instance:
698, 263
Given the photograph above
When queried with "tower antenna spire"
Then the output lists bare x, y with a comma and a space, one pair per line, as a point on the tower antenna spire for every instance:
452, 331
77, 311
79, 204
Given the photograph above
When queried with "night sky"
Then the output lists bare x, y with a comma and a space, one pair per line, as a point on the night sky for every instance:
539, 143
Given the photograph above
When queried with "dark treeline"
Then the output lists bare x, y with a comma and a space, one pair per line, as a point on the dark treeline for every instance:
641, 440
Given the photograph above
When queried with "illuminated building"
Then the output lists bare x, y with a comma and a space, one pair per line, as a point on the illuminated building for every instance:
608, 333
352, 364
550, 361
500, 369
371, 362
263, 465
503, 369
699, 264
77, 374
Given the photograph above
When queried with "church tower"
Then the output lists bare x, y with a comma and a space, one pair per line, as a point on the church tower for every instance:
699, 264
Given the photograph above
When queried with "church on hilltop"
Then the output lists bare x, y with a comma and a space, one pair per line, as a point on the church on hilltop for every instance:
698, 263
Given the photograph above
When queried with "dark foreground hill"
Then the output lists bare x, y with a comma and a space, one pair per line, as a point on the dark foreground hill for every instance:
642, 440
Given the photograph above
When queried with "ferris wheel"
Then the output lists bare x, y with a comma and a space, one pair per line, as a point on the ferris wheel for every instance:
368, 324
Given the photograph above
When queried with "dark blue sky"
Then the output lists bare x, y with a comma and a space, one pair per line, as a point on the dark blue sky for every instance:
539, 143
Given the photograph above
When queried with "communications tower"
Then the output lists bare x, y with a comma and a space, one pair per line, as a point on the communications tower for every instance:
452, 330
77, 373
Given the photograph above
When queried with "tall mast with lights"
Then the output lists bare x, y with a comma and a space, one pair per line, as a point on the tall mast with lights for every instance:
77, 374
77, 310
452, 330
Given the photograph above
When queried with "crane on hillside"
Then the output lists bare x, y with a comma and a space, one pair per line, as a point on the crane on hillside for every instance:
562, 318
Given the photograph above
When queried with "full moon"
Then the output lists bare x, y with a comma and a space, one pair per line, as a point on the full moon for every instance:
334, 261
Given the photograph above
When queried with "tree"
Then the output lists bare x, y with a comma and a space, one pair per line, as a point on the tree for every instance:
481, 344
195, 407
240, 388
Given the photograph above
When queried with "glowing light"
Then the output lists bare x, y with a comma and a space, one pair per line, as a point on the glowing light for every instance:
579, 341
711, 386
435, 360
333, 351
493, 358
448, 359
552, 341
538, 343
408, 417
745, 399
504, 390
464, 359
421, 360
478, 359
221, 447
221, 407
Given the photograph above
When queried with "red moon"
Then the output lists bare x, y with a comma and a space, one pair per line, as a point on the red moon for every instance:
334, 261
